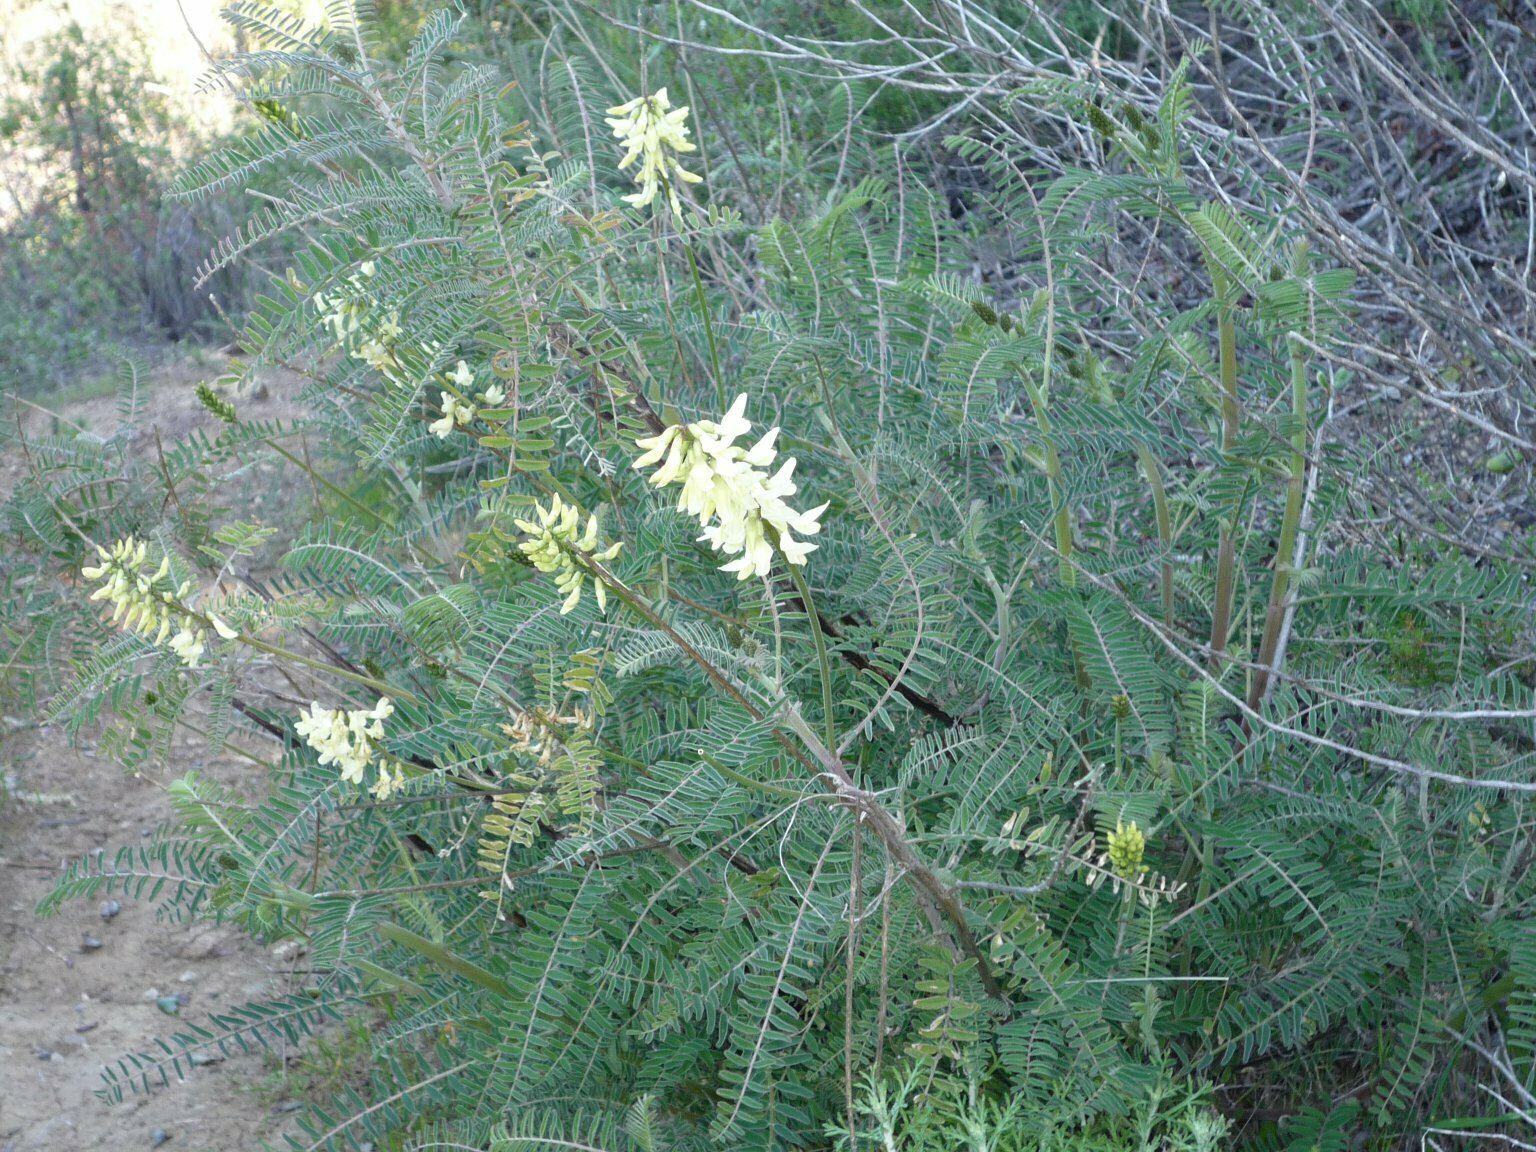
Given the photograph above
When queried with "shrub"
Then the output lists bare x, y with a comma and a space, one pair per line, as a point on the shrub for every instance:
1071, 783
90, 254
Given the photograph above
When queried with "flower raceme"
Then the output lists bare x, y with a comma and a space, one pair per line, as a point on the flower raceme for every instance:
346, 739
1127, 845
149, 602
730, 490
654, 133
456, 413
554, 539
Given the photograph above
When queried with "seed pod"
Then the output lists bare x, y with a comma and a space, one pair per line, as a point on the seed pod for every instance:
985, 311
1133, 116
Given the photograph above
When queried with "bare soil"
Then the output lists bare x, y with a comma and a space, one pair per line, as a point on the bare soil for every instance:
81, 989
67, 1006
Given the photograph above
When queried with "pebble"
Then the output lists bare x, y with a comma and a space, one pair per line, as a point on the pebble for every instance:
43, 1054
89, 943
187, 977
170, 1005
110, 909
84, 1028
158, 1136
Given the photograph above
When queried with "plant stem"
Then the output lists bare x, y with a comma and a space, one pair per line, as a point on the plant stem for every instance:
1295, 486
1061, 520
827, 767
1153, 471
829, 720
709, 326
1231, 415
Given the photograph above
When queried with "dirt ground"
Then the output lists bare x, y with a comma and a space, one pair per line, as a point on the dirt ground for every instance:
79, 990
83, 988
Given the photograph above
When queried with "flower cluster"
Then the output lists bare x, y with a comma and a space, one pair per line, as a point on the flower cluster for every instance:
457, 413
730, 491
1124, 863
654, 132
149, 602
1127, 845
537, 734
554, 539
346, 739
347, 314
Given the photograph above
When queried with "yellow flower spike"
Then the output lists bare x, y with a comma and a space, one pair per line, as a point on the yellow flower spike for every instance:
655, 133
1127, 846
729, 490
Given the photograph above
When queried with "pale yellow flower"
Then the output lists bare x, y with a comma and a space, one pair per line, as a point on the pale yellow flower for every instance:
654, 133
729, 491
555, 539
345, 738
455, 413
147, 602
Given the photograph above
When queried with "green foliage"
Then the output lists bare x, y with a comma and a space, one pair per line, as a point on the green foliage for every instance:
820, 858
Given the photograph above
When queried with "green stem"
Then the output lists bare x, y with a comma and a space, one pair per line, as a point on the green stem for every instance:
1295, 487
1231, 415
829, 720
747, 781
1061, 521
1154, 473
826, 766
443, 957
378, 686
302, 901
313, 475
709, 325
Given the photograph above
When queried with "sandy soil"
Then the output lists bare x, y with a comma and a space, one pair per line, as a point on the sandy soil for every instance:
67, 1007
79, 990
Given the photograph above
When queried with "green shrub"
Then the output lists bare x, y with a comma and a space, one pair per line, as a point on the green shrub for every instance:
1068, 790
90, 253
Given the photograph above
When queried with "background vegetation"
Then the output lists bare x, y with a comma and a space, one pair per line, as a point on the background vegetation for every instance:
1143, 759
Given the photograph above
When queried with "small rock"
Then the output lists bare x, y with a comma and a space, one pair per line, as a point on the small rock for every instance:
158, 1136
110, 909
187, 977
84, 1028
89, 943
198, 1059
170, 1005
43, 1054
286, 1106
152, 994
183, 998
